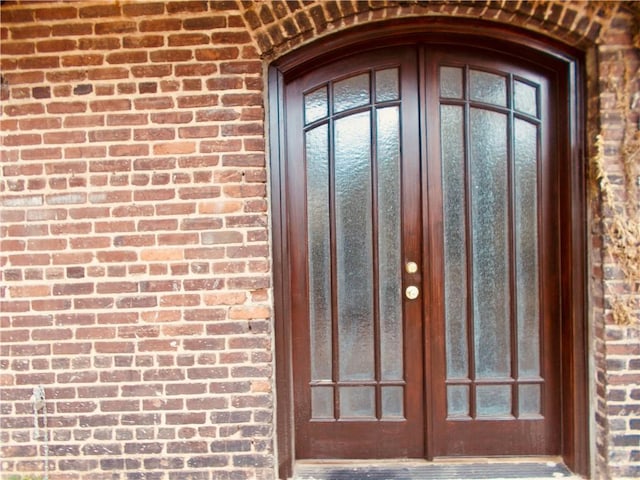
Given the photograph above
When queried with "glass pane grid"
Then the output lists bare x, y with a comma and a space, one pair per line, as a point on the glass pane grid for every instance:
354, 157
316, 105
494, 399
525, 98
488, 87
387, 85
477, 190
351, 92
451, 82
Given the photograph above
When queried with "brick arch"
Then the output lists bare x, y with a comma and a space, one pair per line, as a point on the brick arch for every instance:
279, 27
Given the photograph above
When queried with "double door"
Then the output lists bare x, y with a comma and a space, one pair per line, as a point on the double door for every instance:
423, 256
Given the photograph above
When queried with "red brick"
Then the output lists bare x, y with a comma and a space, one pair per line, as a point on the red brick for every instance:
146, 41
22, 169
66, 107
17, 48
144, 71
17, 15
12, 246
128, 150
240, 67
174, 148
196, 70
110, 105
110, 135
27, 109
205, 23
20, 140
173, 55
57, 13
114, 28
126, 119
56, 45
33, 63
48, 244
241, 99
84, 60
71, 29
143, 9
108, 73
84, 121
127, 57
65, 137
171, 117
85, 152
97, 43
191, 101
184, 39
158, 103
153, 134
88, 212
160, 25
103, 10
214, 54
198, 132
29, 32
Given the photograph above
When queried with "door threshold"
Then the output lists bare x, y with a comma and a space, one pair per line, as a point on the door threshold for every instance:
439, 469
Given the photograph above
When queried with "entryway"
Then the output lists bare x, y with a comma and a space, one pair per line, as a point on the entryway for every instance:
421, 200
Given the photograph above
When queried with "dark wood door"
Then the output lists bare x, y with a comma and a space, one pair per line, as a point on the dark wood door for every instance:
355, 220
494, 335
422, 239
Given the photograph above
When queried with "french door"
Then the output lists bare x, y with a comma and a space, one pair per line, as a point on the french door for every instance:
422, 248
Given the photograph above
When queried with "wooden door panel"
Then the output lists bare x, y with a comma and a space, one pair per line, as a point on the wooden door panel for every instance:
495, 330
353, 184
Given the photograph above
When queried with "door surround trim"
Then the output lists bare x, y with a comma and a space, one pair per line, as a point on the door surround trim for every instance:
566, 60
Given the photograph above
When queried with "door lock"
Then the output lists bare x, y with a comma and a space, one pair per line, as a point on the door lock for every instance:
412, 292
411, 267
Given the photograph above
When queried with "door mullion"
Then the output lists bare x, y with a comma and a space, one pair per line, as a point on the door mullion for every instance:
469, 246
513, 308
335, 350
376, 253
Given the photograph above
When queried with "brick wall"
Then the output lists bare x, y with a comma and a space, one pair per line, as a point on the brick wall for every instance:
135, 241
135, 250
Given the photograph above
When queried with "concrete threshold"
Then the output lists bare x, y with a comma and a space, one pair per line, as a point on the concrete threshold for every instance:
464, 469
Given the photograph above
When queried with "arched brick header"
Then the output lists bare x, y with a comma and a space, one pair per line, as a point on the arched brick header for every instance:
279, 26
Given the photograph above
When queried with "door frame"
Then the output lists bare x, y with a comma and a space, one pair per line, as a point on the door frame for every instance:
567, 63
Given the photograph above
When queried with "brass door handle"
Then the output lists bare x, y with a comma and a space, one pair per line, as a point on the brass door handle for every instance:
412, 292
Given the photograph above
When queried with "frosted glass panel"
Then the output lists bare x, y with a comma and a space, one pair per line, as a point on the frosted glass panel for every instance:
315, 105
317, 155
489, 189
457, 400
493, 400
392, 402
525, 98
351, 92
529, 402
455, 279
387, 85
451, 82
389, 244
357, 402
488, 88
322, 402
526, 220
354, 246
